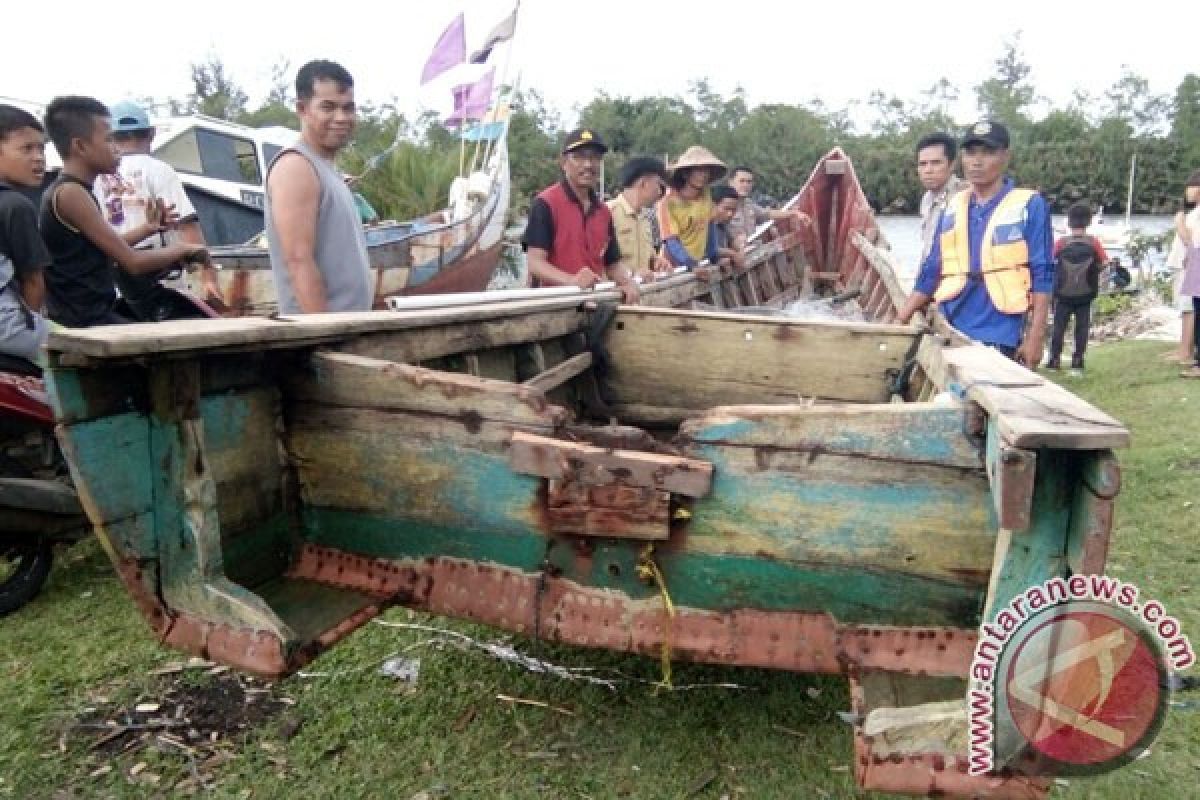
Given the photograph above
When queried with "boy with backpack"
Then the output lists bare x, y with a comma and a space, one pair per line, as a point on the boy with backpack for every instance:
1079, 259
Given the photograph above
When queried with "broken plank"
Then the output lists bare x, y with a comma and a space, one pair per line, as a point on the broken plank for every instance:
560, 460
348, 380
559, 374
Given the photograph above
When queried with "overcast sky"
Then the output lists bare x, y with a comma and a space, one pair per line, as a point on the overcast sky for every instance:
777, 51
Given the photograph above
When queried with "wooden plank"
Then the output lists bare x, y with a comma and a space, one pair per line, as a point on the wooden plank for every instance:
559, 374
652, 416
116, 341
242, 446
587, 464
1031, 412
611, 511
1011, 471
904, 433
463, 337
749, 360
875, 516
415, 467
353, 381
882, 265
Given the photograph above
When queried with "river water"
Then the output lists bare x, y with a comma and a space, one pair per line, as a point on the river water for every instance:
904, 235
902, 232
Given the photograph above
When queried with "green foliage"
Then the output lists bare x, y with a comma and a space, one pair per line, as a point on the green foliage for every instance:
1078, 152
1110, 305
414, 180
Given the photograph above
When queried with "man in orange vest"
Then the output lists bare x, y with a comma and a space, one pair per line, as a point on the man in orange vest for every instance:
991, 262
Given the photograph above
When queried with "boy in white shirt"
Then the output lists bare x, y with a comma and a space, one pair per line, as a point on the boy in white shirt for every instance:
144, 183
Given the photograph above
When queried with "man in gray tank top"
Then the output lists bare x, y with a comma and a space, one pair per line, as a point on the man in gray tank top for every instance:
317, 246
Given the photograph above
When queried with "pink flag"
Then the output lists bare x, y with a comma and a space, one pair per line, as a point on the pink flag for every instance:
472, 100
451, 49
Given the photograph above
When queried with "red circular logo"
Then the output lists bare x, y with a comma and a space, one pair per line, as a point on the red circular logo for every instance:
1085, 688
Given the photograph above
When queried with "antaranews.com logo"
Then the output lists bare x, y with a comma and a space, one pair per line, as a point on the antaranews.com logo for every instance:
1071, 678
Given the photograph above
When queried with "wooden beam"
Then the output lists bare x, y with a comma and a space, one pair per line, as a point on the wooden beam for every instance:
586, 464
559, 374
352, 381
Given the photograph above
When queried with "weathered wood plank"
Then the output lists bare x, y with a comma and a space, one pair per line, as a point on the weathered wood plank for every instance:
590, 465
748, 360
560, 373
242, 447
883, 265
894, 432
264, 333
1030, 411
881, 517
345, 379
398, 465
466, 337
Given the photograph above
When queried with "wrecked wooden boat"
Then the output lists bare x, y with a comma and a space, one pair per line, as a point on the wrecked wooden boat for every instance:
823, 496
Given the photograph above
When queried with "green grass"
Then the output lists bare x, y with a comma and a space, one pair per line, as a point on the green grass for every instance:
362, 737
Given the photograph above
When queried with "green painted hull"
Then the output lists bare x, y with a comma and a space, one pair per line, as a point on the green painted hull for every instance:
263, 488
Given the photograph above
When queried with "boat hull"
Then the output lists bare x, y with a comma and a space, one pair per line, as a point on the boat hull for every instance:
828, 496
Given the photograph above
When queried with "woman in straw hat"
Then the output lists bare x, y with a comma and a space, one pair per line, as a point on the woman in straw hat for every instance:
684, 214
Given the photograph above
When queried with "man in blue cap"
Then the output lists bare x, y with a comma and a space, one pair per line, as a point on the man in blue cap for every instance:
143, 188
991, 263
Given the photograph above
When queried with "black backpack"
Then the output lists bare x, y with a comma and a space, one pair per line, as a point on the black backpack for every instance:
1078, 269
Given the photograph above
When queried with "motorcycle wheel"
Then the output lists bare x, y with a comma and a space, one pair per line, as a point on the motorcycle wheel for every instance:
24, 567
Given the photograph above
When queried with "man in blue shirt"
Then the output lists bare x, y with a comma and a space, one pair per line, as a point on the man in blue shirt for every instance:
992, 260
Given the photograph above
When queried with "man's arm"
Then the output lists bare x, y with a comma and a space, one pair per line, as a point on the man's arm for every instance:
926, 285
295, 194
27, 251
1039, 237
630, 293
76, 207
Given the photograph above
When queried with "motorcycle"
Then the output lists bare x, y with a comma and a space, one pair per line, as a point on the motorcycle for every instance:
39, 509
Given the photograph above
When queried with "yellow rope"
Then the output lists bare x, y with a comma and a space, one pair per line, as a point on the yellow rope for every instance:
648, 571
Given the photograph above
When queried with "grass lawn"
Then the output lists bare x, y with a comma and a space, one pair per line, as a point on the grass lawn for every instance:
80, 645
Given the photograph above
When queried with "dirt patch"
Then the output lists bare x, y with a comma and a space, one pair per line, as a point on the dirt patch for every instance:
200, 717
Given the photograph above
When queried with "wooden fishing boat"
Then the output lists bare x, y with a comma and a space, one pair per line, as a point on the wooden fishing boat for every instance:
812, 495
454, 250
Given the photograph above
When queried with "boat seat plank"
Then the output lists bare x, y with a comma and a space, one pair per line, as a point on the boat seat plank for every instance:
1030, 411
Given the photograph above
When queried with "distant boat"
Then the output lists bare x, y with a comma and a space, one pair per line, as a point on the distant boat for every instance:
453, 250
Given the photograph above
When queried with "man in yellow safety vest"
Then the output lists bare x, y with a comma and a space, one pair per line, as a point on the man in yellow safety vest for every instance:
991, 264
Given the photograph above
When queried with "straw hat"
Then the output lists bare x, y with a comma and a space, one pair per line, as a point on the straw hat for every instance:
697, 156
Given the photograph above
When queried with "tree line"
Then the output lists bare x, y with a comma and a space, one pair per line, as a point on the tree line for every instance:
1078, 152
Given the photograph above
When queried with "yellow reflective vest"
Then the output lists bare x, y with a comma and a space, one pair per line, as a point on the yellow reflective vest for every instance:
1004, 255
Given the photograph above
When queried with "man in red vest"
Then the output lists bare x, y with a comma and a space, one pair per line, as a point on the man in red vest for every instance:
570, 240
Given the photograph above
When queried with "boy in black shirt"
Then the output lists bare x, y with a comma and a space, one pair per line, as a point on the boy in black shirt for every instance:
23, 255
85, 249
